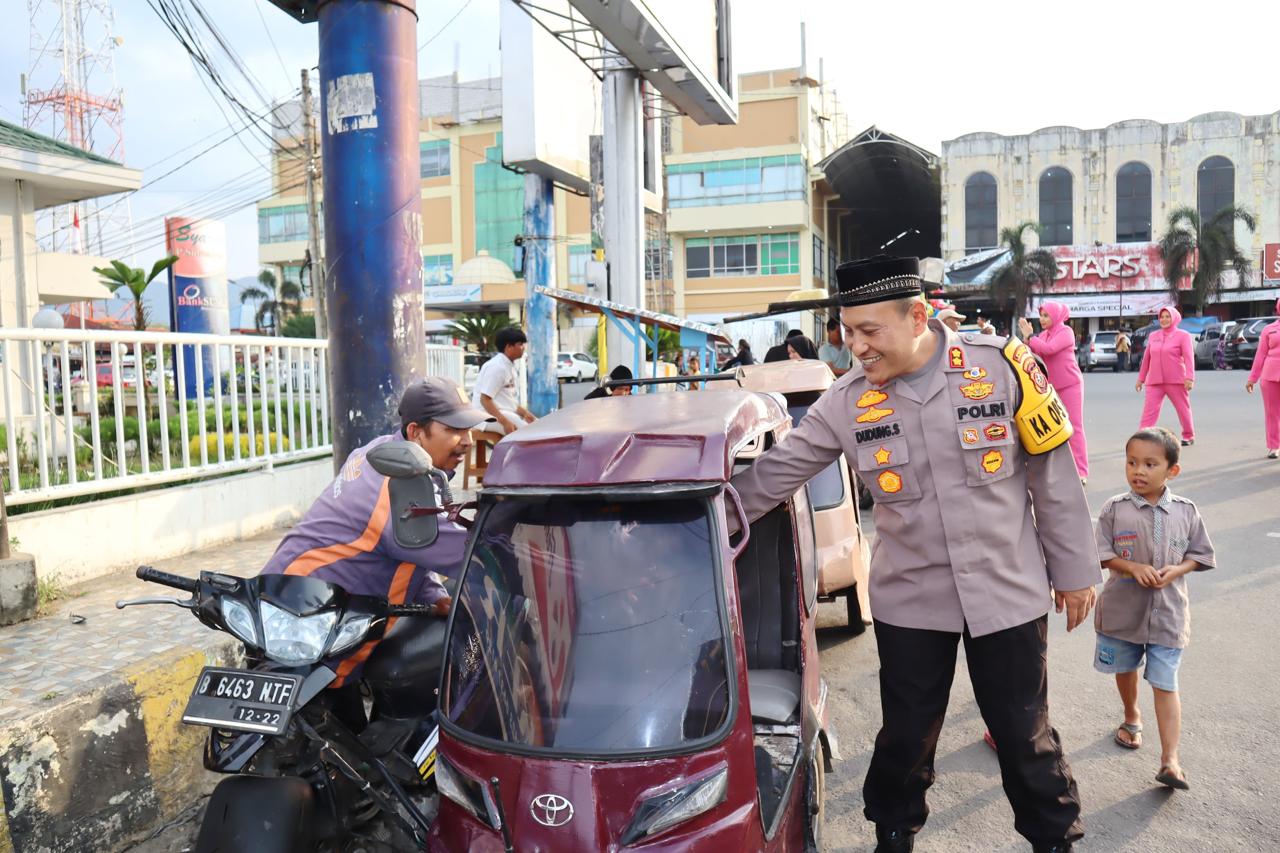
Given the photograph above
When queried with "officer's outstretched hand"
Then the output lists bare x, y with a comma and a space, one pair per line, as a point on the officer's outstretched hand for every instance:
1077, 603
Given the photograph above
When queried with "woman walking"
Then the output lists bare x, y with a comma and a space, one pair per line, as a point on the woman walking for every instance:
1168, 370
1266, 372
1056, 345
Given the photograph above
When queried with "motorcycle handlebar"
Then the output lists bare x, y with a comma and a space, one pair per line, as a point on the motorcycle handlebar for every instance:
147, 573
411, 610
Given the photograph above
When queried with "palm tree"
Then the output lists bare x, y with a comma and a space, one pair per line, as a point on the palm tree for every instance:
479, 330
279, 302
120, 276
1027, 270
1204, 251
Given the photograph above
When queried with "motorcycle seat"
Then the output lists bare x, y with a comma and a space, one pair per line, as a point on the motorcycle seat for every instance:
774, 694
410, 652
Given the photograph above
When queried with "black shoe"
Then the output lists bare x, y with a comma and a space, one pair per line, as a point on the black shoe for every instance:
1187, 442
894, 840
1060, 847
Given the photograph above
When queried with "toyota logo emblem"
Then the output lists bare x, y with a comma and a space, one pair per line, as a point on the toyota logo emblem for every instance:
551, 810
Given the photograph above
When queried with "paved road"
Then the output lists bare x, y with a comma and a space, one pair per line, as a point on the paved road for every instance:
1230, 676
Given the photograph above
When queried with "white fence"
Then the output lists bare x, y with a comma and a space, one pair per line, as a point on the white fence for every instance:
87, 412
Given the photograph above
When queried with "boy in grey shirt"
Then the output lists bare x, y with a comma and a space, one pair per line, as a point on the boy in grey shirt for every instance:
1150, 539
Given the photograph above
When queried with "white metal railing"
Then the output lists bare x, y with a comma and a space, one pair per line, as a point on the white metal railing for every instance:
87, 412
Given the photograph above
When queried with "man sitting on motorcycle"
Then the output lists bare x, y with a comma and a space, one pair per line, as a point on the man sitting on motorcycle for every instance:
346, 537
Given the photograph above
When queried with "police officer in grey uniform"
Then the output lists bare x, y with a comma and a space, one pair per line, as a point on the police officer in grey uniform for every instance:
981, 523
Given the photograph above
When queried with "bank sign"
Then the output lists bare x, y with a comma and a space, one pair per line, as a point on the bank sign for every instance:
1109, 268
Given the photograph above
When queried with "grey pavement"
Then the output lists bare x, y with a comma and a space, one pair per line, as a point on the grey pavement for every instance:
1230, 677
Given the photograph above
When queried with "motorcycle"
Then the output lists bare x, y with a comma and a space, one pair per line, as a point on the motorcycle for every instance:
344, 770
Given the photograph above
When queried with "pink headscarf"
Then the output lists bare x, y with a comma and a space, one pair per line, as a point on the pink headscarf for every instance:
1058, 315
1175, 316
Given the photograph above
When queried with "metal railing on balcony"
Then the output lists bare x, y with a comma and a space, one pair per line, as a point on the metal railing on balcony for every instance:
88, 412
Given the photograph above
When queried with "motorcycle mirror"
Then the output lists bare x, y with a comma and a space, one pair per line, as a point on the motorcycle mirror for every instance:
399, 460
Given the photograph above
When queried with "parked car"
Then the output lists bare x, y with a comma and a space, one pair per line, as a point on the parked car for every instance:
1138, 343
1242, 348
128, 375
1207, 345
1220, 349
1098, 349
575, 367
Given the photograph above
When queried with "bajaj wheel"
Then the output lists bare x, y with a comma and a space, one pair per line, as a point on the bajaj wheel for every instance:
818, 806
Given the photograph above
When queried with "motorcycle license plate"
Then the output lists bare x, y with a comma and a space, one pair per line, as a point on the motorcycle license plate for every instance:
242, 700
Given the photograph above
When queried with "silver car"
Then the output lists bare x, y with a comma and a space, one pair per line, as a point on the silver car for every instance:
1098, 350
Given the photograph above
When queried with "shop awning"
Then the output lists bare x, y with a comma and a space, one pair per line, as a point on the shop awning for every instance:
975, 271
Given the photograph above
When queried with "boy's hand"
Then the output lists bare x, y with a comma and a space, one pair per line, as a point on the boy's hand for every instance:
1146, 575
1167, 575
1077, 603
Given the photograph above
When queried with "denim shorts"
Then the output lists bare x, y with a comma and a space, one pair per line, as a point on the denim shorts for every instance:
1116, 656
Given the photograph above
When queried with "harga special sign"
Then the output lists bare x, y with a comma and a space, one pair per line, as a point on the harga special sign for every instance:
1109, 268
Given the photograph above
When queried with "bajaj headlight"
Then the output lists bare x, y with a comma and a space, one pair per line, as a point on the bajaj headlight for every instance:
665, 810
295, 640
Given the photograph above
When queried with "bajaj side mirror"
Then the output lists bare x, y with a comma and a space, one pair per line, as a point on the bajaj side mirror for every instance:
415, 512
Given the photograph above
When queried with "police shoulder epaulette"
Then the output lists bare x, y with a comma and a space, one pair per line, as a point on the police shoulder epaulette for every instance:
1041, 418
985, 340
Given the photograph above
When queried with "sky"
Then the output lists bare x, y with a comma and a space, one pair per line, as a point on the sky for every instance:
926, 71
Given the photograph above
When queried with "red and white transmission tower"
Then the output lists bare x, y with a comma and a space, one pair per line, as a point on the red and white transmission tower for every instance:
70, 93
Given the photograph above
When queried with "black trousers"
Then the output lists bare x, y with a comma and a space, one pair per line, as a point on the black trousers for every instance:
1007, 670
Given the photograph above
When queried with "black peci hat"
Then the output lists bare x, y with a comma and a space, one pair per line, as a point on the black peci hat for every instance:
878, 279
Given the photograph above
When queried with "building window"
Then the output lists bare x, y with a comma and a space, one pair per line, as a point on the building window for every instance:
742, 255
1055, 207
1133, 203
437, 270
831, 267
283, 224
1215, 187
578, 257
433, 158
819, 256
980, 211
499, 208
748, 181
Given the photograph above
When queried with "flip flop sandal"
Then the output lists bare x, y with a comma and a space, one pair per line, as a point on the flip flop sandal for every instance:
1135, 735
1166, 777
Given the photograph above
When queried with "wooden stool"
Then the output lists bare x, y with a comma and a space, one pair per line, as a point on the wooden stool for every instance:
477, 461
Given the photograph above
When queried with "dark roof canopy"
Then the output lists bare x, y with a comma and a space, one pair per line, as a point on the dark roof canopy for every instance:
887, 186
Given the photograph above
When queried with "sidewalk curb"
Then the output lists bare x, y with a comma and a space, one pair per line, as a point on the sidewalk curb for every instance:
109, 764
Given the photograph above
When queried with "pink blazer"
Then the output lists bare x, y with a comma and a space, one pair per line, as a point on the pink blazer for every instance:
1169, 357
1266, 363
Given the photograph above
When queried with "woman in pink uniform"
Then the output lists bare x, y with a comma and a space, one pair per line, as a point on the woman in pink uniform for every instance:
1266, 372
1169, 370
1056, 344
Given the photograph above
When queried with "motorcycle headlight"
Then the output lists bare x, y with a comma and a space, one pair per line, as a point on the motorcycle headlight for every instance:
349, 633
239, 620
294, 640
677, 805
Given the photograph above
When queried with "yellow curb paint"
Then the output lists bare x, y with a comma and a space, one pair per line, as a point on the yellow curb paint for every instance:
173, 748
6, 844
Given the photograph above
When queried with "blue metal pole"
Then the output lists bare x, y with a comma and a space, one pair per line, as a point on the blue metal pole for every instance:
372, 212
539, 309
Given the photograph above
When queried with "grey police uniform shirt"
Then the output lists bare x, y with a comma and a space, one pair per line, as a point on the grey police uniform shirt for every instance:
1161, 534
971, 531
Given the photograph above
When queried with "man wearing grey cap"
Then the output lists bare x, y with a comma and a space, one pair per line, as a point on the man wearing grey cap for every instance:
345, 537
959, 435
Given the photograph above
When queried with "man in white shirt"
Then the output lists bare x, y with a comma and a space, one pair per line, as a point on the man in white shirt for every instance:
496, 385
834, 352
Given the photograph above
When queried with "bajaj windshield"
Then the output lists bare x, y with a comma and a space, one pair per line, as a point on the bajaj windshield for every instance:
589, 627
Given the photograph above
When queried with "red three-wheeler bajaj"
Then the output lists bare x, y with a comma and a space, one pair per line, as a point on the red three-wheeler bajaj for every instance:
620, 673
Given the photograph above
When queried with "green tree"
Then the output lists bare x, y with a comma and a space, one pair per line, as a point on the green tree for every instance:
479, 330
1204, 251
300, 326
1028, 270
120, 276
277, 302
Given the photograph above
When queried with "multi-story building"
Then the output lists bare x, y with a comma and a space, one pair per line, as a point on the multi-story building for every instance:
1103, 197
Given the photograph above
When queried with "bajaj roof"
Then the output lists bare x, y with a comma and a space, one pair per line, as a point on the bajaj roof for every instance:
684, 436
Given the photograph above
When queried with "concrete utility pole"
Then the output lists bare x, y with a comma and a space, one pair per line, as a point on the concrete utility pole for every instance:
316, 269
539, 309
372, 212
623, 205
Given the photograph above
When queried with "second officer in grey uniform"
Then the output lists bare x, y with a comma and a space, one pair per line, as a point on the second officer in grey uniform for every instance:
981, 523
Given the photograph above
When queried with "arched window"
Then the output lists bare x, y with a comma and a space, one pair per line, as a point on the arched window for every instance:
1133, 203
1215, 186
1055, 207
979, 212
